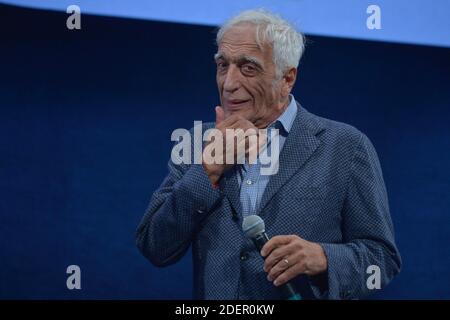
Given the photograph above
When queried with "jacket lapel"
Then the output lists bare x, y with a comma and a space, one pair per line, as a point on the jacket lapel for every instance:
300, 144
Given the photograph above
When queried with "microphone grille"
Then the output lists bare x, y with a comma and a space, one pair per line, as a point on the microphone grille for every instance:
253, 226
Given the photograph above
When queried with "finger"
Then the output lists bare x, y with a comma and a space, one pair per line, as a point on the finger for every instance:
241, 130
220, 115
281, 266
229, 122
273, 243
235, 148
239, 151
238, 134
241, 146
262, 137
235, 120
251, 151
244, 148
256, 146
254, 118
289, 274
241, 123
277, 255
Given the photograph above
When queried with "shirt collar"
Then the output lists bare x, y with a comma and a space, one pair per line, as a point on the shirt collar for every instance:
286, 119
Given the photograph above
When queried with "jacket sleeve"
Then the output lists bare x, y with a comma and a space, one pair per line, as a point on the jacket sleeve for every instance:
174, 214
367, 233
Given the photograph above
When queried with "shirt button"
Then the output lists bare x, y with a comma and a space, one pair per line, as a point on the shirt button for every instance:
244, 256
249, 182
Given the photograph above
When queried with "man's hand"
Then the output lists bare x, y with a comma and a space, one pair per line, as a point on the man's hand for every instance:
289, 256
214, 170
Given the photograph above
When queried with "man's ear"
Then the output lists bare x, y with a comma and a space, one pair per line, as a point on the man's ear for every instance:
289, 80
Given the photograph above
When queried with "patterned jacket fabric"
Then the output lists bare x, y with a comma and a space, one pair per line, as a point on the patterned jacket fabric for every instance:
329, 189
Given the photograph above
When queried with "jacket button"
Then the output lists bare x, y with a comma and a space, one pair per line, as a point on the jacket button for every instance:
244, 256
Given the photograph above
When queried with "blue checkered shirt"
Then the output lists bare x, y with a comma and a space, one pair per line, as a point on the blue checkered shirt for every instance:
251, 182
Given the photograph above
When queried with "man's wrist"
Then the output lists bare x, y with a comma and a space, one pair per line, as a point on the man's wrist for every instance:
214, 178
323, 264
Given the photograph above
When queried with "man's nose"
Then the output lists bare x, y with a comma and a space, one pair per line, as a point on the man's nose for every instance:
232, 79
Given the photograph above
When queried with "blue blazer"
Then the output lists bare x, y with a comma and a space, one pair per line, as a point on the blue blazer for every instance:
329, 189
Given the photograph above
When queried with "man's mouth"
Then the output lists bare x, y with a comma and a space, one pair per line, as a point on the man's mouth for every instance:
235, 104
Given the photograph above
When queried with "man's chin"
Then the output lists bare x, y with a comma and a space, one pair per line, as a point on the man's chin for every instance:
245, 111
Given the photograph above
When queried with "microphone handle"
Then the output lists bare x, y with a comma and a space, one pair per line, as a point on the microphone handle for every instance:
287, 289
260, 240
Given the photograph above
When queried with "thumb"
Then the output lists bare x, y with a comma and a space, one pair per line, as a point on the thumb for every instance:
220, 115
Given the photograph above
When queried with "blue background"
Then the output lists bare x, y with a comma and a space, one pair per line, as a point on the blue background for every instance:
85, 124
406, 21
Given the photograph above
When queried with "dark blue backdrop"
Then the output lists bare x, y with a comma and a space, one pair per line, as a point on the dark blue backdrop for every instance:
85, 124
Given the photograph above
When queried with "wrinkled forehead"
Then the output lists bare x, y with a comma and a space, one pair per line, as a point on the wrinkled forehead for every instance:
243, 39
241, 33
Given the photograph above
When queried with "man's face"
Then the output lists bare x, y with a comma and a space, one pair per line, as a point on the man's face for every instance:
246, 77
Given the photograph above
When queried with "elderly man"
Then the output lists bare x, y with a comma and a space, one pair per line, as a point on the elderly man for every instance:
326, 207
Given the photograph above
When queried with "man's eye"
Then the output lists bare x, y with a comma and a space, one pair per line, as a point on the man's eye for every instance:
221, 65
248, 68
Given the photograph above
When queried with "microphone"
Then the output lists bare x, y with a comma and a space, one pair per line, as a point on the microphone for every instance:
254, 228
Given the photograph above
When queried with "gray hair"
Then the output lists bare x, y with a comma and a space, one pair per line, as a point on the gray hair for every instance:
287, 43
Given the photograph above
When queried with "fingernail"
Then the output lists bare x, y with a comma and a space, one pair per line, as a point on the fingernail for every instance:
276, 282
269, 278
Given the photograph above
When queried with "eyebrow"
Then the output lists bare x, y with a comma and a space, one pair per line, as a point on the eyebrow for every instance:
242, 58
